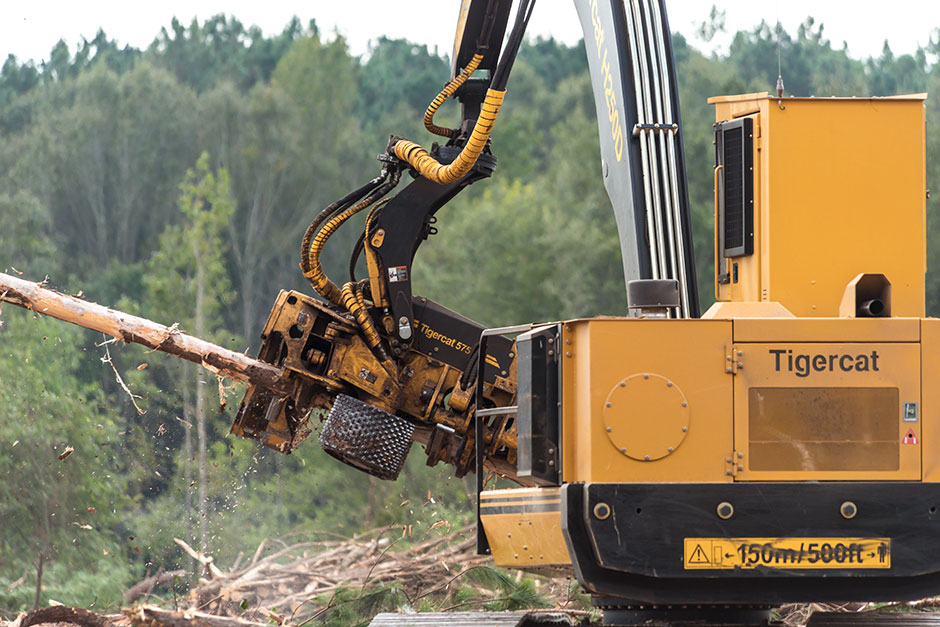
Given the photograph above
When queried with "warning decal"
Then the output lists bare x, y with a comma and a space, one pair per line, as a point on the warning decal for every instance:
698, 555
786, 553
398, 274
910, 437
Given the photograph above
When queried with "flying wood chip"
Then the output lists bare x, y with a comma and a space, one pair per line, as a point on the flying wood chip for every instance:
68, 451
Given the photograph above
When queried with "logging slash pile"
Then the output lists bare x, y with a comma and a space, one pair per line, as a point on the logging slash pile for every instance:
334, 582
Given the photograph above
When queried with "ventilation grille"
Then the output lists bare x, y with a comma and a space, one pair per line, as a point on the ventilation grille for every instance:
736, 202
734, 190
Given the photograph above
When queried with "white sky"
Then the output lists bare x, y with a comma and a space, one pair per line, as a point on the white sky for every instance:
29, 28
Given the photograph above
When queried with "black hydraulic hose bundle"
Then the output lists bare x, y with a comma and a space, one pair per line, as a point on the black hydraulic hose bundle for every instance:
326, 223
360, 243
354, 258
334, 207
355, 303
313, 245
469, 375
508, 57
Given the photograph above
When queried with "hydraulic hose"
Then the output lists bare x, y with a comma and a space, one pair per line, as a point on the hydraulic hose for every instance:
508, 57
446, 93
334, 207
360, 243
355, 303
314, 273
431, 169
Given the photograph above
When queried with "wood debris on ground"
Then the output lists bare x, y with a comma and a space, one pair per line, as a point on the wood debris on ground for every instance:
290, 585
297, 581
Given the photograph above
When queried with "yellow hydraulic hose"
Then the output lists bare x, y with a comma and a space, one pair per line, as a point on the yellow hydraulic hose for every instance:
446, 93
355, 303
429, 167
321, 283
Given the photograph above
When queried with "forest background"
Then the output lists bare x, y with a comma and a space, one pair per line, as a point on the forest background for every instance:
175, 182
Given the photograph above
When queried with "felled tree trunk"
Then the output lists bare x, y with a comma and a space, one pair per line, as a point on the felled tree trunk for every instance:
136, 330
149, 616
144, 616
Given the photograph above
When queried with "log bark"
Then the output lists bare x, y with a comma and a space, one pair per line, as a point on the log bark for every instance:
144, 616
61, 614
136, 330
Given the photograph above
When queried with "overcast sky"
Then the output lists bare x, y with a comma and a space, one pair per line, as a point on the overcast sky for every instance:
29, 28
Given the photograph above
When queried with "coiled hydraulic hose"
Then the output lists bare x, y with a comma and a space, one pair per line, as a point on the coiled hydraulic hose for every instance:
446, 93
431, 169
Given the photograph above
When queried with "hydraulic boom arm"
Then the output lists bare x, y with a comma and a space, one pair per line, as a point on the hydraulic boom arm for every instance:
403, 366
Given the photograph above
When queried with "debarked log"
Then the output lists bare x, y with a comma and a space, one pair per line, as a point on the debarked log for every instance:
133, 329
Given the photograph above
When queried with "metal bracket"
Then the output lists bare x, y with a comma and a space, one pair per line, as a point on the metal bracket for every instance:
734, 359
734, 464
661, 128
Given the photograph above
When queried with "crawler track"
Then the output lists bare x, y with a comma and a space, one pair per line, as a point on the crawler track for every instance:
874, 619
524, 619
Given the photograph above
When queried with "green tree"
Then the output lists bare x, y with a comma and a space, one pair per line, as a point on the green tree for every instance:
384, 82
189, 271
221, 49
111, 148
254, 136
62, 492
25, 240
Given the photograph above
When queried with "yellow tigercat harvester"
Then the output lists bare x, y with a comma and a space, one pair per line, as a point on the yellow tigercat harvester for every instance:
784, 446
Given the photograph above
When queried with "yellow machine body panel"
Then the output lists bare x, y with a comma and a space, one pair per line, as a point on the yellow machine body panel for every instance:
523, 527
762, 399
821, 185
827, 330
827, 411
646, 401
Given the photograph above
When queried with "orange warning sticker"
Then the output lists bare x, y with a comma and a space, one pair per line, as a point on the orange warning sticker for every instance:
786, 553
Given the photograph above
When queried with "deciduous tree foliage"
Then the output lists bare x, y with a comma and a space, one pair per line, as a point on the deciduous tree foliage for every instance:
63, 491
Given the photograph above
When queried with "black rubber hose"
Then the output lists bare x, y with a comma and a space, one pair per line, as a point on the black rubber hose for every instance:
315, 274
469, 375
354, 259
504, 67
333, 208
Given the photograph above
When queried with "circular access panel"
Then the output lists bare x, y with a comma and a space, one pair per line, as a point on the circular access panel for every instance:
646, 416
